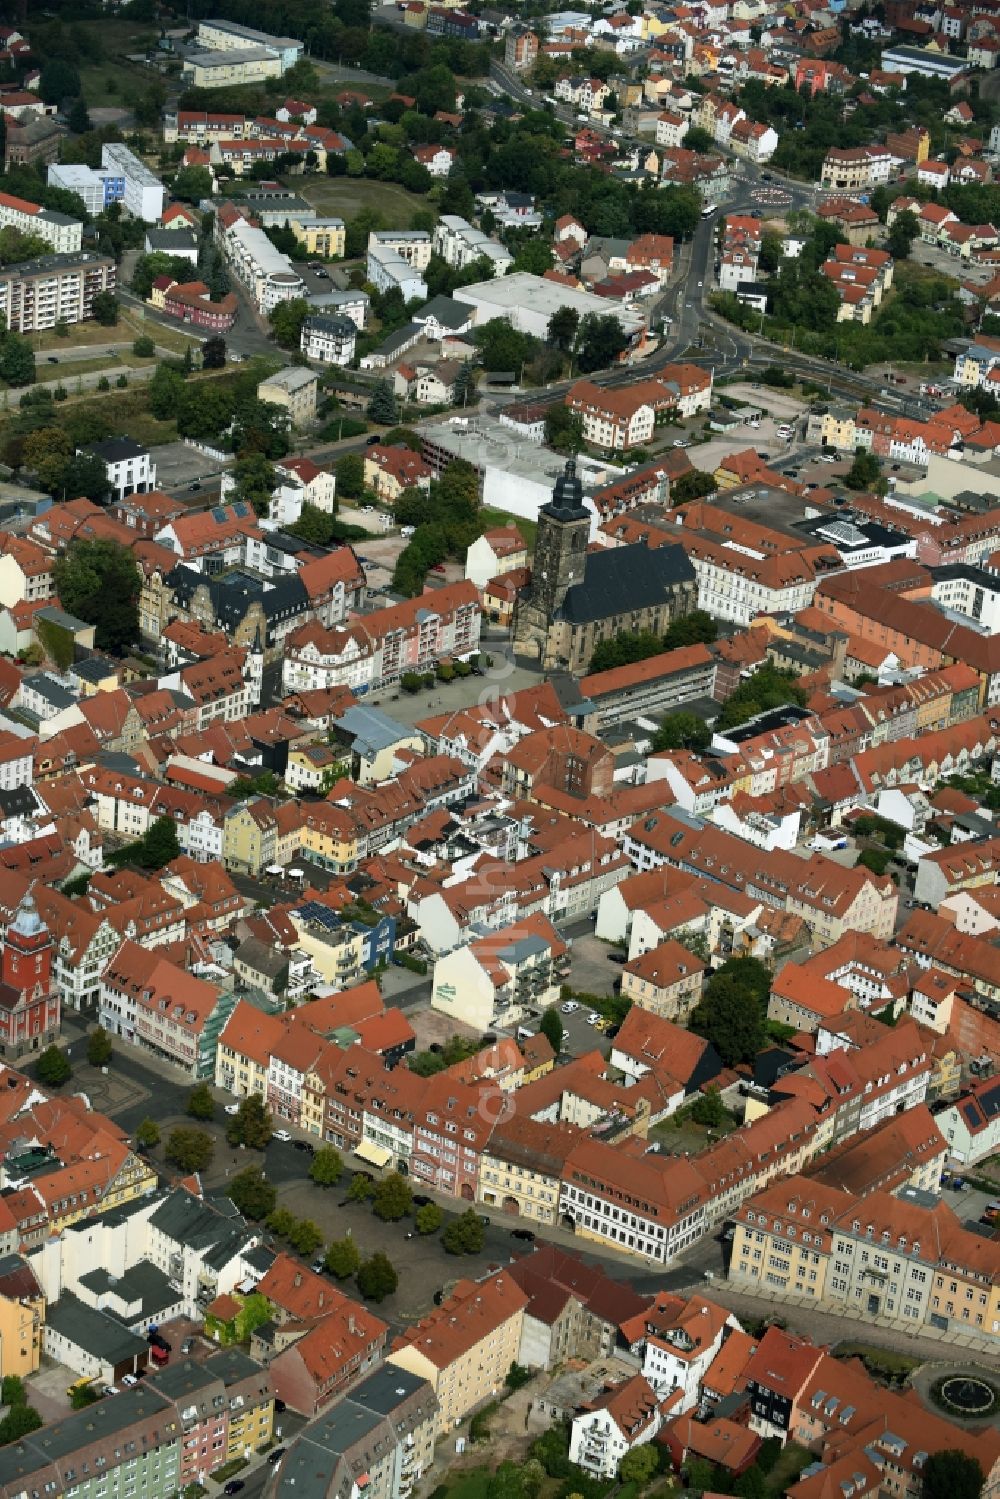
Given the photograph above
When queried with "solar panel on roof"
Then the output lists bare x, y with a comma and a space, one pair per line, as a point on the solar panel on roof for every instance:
219, 514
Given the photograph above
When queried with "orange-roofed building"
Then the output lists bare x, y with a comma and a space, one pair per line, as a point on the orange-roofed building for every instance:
617, 1421
465, 1347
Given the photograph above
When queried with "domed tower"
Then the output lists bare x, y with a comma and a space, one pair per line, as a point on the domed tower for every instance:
29, 1006
560, 561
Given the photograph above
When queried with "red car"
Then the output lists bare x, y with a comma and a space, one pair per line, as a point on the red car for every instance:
438, 567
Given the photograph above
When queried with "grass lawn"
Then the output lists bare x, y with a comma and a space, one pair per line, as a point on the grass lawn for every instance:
527, 528
788, 1467
470, 1484
878, 1358
345, 197
689, 1136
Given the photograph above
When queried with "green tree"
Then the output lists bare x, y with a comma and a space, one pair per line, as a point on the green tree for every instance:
601, 340
191, 184
361, 1189
99, 1047
517, 1377
59, 81
564, 428
256, 481
252, 1194
213, 353
52, 1068
143, 347
286, 322
306, 1237
17, 360
160, 844
85, 475
350, 474
875, 859
429, 1219
768, 687
552, 1028
639, 1466
79, 118
694, 485
165, 391
281, 1222
465, 1234
682, 730
952, 1474
905, 229
709, 1110
377, 1278
864, 473
99, 583
252, 1125
562, 329
18, 1422
327, 1166
148, 1134
104, 309
200, 1103
382, 405
189, 1149
342, 1258
731, 1017
12, 1391
392, 1198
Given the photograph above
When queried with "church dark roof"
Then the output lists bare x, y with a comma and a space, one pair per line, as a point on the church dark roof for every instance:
620, 580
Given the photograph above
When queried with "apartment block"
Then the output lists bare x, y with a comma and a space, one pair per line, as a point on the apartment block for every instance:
37, 294
464, 1348
62, 233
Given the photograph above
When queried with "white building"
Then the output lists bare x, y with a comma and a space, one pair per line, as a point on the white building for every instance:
624, 1417
57, 229
459, 243
528, 302
268, 275
228, 36
396, 258
129, 467
143, 191
328, 339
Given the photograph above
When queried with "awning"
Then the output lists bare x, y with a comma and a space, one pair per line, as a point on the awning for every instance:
274, 869
376, 1154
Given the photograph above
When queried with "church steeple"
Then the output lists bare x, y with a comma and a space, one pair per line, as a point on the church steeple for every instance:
559, 562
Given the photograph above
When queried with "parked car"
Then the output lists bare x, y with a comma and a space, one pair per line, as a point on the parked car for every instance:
318, 1265
305, 1145
570, 1007
281, 1134
279, 1407
129, 1380
594, 1019
233, 1486
484, 1219
438, 567
276, 1455
372, 441
420, 1200
523, 1233
617, 957
232, 1108
188, 1345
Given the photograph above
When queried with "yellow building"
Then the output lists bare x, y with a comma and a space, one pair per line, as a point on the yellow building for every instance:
329, 837
249, 837
465, 1347
337, 956
22, 1317
837, 430
522, 1167
251, 1427
244, 1049
295, 390
324, 237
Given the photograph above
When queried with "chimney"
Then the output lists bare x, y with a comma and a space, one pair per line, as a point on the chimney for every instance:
298, 1278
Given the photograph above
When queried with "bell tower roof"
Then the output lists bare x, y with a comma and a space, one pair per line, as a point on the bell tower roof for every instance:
567, 496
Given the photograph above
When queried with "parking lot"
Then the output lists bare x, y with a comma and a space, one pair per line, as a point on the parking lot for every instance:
178, 467
968, 1204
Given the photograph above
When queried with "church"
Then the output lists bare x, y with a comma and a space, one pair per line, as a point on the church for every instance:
577, 598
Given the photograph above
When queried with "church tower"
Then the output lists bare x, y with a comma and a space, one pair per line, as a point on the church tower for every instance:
29, 1005
559, 562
